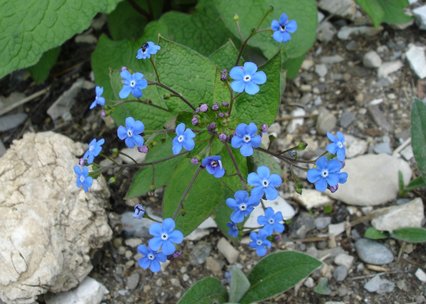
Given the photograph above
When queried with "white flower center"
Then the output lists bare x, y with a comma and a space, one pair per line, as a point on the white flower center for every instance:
82, 178
180, 138
91, 147
282, 28
259, 242
265, 183
339, 144
243, 207
271, 221
129, 133
164, 236
247, 138
151, 256
324, 173
132, 83
247, 78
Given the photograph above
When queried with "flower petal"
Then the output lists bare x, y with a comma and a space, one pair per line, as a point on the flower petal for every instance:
271, 193
238, 86
246, 149
313, 175
180, 129
122, 132
291, 26
259, 77
156, 229
155, 243
168, 248
263, 172
251, 88
169, 225
275, 26
125, 92
237, 73
275, 180
321, 185
283, 18
236, 142
250, 68
254, 180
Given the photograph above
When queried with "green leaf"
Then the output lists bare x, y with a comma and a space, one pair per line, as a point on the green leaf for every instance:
277, 273
385, 11
239, 284
205, 291
418, 134
225, 56
250, 13
30, 28
292, 66
263, 159
411, 235
156, 176
374, 234
262, 107
322, 287
40, 71
416, 183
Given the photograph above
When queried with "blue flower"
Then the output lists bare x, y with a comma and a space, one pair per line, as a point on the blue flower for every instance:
271, 221
283, 28
264, 183
337, 145
243, 205
165, 236
259, 242
147, 49
130, 133
83, 179
184, 138
150, 258
95, 148
326, 173
139, 211
213, 165
246, 138
99, 100
132, 83
233, 229
246, 78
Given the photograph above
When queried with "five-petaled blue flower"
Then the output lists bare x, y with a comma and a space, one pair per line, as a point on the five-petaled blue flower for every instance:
147, 49
243, 205
233, 229
95, 148
337, 145
264, 183
83, 179
326, 173
130, 133
246, 78
283, 28
132, 83
165, 236
271, 221
184, 138
259, 242
246, 138
213, 165
99, 100
150, 258
139, 211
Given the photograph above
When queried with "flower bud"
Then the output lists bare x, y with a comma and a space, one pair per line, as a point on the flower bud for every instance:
264, 128
333, 188
204, 107
195, 161
194, 121
211, 127
222, 137
215, 106
224, 75
139, 211
81, 161
123, 68
221, 114
225, 103
236, 17
103, 113
143, 149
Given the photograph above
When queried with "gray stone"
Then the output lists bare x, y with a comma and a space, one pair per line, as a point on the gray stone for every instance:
407, 215
322, 222
372, 60
340, 273
344, 259
134, 227
302, 225
420, 15
200, 253
417, 59
309, 282
331, 59
379, 117
229, 252
2, 149
388, 68
421, 275
132, 281
11, 121
372, 180
89, 291
321, 70
341, 8
48, 227
379, 285
336, 229
202, 230
383, 147
355, 146
346, 32
326, 122
127, 155
347, 119
312, 199
372, 252
326, 31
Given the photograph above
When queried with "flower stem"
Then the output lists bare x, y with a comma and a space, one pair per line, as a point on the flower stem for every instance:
185, 193
162, 85
287, 160
234, 161
155, 68
147, 102
128, 156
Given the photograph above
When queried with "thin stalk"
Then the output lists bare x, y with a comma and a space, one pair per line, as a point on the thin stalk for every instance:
128, 156
185, 193
234, 162
140, 10
147, 102
286, 160
162, 85
155, 68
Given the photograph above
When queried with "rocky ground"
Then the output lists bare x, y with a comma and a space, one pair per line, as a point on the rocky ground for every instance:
362, 85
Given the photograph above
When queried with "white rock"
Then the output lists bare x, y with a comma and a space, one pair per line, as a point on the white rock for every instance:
133, 153
344, 260
336, 229
321, 70
388, 68
372, 180
312, 199
341, 8
346, 32
421, 275
279, 205
355, 146
89, 291
420, 15
407, 215
202, 230
48, 226
296, 122
229, 252
326, 31
417, 59
372, 60
133, 242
